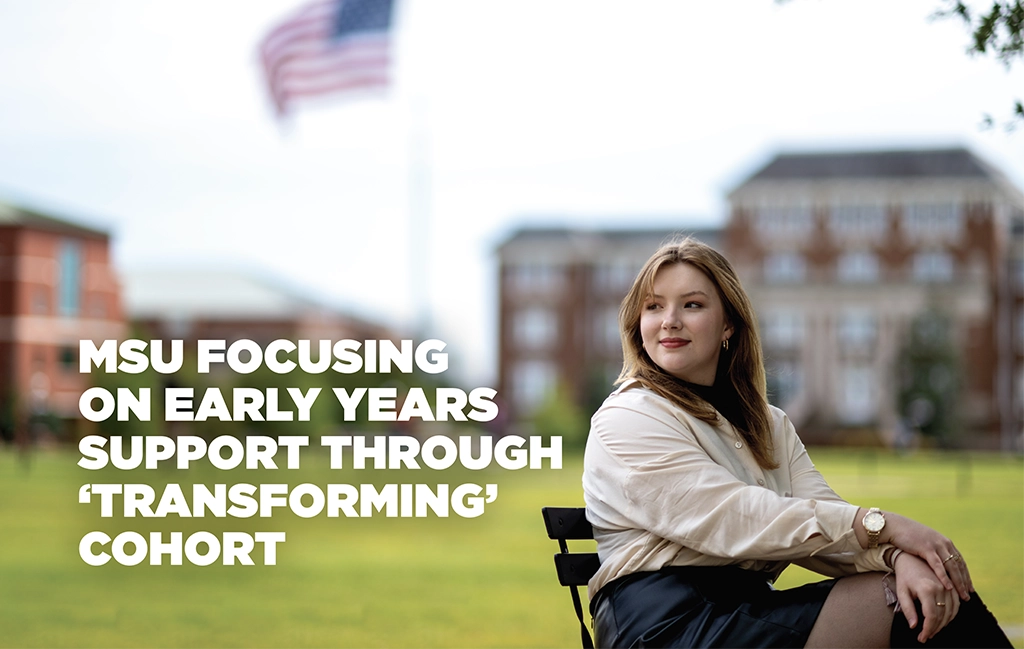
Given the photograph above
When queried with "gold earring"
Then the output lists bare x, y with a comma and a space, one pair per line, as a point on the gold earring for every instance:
725, 344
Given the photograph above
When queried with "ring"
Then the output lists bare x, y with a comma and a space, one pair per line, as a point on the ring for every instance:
955, 556
940, 603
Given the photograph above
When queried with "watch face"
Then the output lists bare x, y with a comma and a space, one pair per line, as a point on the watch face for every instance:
874, 522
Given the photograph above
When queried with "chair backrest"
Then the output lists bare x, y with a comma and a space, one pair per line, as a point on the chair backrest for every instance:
573, 569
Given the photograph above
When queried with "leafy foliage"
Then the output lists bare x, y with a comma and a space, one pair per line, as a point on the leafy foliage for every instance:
928, 378
997, 32
559, 416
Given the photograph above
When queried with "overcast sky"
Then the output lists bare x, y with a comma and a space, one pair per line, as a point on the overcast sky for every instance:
151, 119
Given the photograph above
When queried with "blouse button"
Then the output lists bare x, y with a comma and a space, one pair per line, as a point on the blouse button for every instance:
739, 444
760, 482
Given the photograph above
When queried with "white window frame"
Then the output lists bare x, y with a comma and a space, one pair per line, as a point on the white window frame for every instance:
858, 267
785, 268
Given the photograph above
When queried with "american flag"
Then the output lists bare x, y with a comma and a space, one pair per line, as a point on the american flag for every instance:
326, 47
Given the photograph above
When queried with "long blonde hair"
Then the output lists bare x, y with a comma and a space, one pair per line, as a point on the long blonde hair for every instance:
743, 363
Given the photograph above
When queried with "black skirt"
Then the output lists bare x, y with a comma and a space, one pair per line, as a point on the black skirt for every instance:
683, 606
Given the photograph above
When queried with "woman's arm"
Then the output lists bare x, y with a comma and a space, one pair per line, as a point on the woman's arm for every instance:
650, 471
910, 536
808, 482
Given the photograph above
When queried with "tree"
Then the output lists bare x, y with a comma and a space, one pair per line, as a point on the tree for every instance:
559, 416
994, 32
928, 378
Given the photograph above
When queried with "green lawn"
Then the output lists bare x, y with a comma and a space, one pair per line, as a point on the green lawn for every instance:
378, 582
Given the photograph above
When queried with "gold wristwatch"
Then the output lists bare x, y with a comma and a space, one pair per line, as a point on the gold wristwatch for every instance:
873, 521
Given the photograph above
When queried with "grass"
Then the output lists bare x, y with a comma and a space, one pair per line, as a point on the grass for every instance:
433, 582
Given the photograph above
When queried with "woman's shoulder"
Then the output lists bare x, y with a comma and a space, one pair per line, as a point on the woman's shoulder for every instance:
778, 415
784, 434
633, 395
635, 426
632, 406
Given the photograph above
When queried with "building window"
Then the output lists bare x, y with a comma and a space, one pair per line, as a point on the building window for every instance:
1017, 272
857, 221
785, 380
785, 267
857, 399
67, 357
943, 221
932, 267
857, 328
531, 383
857, 267
535, 328
785, 221
615, 277
609, 329
70, 283
536, 278
782, 328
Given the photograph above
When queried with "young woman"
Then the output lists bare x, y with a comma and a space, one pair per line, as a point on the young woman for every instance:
700, 494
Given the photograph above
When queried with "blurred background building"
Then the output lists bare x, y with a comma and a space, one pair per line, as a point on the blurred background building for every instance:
889, 287
887, 290
57, 286
224, 304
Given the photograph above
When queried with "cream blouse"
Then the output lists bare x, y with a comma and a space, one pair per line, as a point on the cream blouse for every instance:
664, 488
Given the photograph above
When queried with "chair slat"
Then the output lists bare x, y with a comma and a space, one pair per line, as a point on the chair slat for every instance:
576, 569
567, 523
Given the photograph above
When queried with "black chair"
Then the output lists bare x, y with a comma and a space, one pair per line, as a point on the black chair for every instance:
574, 569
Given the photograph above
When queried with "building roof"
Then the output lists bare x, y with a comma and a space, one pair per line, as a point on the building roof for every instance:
956, 162
13, 216
210, 295
570, 236
903, 166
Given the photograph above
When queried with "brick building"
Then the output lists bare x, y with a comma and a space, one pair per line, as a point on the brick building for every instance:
842, 251
1010, 372
57, 286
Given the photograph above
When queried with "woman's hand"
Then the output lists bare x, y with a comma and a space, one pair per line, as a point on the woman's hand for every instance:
937, 551
915, 580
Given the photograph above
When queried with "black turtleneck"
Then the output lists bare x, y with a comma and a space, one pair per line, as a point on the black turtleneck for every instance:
723, 397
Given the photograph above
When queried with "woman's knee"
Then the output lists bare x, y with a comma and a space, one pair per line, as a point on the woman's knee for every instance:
855, 614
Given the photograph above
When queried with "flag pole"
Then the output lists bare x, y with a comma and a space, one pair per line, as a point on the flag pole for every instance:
419, 216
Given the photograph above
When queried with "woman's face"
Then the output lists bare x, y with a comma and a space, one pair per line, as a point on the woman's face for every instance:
683, 324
